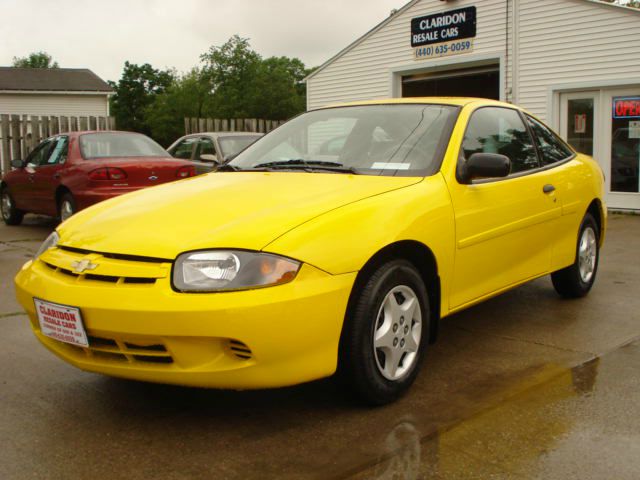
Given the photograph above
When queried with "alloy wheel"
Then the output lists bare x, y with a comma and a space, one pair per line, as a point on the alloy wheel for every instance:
587, 254
6, 205
397, 333
66, 210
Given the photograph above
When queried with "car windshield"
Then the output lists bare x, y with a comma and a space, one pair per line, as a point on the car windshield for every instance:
109, 145
396, 140
233, 144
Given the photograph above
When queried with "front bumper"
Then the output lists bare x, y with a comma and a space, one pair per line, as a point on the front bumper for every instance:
260, 338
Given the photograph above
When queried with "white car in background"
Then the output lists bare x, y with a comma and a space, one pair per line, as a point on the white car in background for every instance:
208, 150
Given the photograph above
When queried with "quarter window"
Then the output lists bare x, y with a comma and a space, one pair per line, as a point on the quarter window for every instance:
552, 149
501, 130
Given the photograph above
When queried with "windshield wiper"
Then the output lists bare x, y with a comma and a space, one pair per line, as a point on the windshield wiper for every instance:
227, 167
307, 165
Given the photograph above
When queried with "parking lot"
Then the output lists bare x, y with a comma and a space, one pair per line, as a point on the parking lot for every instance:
526, 385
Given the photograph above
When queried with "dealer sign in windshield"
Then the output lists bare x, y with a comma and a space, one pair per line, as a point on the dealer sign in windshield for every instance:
443, 27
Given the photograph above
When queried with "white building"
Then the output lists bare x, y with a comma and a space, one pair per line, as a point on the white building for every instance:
573, 63
53, 91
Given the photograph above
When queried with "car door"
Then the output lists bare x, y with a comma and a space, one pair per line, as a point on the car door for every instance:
24, 192
46, 178
564, 169
206, 146
503, 226
184, 149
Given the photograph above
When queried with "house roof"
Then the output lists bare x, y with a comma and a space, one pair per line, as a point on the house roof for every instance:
409, 5
52, 80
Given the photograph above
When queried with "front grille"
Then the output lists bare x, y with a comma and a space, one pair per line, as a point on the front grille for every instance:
115, 350
240, 350
102, 278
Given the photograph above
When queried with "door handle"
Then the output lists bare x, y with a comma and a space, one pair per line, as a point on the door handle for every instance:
548, 188
56, 176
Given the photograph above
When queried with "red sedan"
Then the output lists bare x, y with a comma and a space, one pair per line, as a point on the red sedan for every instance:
72, 171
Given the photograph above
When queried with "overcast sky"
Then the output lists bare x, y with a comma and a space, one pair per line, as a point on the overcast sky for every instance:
168, 33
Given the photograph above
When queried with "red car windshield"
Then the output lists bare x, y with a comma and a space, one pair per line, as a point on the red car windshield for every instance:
110, 145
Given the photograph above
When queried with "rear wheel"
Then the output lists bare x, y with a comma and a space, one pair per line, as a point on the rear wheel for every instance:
10, 214
384, 333
66, 207
576, 280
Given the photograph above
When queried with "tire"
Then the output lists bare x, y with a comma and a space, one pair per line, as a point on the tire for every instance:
380, 349
10, 214
66, 207
576, 280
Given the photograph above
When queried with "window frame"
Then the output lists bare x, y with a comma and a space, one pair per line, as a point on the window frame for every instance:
541, 168
526, 117
55, 140
46, 143
195, 154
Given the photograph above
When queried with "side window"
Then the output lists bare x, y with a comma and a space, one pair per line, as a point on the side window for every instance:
501, 130
40, 154
205, 147
59, 150
184, 148
552, 149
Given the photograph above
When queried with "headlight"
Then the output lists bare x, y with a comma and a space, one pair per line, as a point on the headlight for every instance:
50, 242
216, 270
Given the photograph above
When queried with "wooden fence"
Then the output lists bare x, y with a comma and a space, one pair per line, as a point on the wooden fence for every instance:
197, 125
19, 134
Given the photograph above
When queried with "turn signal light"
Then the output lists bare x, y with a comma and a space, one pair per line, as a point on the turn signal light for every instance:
186, 171
107, 173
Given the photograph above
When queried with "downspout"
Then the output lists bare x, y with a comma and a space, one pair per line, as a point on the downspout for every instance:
515, 57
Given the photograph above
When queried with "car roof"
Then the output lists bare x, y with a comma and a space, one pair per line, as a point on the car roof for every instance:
225, 134
83, 132
456, 101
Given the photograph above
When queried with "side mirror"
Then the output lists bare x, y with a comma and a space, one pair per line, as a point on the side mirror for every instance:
207, 157
484, 165
17, 163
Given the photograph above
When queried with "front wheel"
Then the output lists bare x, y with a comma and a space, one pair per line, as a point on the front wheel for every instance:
10, 214
384, 334
576, 280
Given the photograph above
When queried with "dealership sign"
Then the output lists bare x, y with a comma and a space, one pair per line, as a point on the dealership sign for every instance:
626, 107
443, 27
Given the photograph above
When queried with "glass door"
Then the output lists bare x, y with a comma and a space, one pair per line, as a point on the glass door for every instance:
579, 121
622, 155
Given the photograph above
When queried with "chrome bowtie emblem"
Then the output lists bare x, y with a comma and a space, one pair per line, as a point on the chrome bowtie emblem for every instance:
82, 265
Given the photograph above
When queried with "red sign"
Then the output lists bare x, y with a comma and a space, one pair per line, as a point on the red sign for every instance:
626, 107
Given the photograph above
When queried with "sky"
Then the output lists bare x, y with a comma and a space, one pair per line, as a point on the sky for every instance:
102, 35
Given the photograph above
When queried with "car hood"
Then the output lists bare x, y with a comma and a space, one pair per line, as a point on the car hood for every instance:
245, 210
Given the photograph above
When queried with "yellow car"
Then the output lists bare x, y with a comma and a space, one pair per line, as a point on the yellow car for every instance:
335, 243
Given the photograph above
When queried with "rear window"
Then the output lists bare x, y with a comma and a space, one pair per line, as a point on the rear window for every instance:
109, 145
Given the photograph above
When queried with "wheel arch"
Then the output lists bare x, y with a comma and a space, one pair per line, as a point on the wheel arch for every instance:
595, 208
423, 258
60, 191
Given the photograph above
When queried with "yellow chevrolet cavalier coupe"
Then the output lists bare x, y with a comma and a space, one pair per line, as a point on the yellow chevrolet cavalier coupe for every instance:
335, 243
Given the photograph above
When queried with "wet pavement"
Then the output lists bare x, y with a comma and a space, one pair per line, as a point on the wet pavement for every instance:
524, 386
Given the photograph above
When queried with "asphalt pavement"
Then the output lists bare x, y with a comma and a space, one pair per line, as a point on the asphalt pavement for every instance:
524, 386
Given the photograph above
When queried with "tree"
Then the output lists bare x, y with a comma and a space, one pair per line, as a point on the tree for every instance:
35, 60
135, 92
231, 70
244, 85
188, 96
